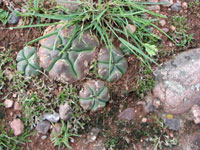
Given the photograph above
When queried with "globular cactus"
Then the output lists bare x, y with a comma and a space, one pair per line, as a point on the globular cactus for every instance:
111, 64
28, 62
94, 95
73, 63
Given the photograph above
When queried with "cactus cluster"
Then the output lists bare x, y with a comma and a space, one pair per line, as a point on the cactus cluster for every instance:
74, 62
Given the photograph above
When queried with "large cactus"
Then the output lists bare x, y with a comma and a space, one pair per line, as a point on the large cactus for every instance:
72, 64
94, 95
27, 61
111, 64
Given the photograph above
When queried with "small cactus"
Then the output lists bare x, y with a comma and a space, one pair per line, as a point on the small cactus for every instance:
27, 61
111, 67
94, 95
72, 64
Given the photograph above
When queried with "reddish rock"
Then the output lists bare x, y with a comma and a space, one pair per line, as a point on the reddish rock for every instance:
178, 82
8, 103
17, 106
18, 126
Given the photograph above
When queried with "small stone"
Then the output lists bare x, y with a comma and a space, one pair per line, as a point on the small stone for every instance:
52, 117
196, 113
144, 120
43, 127
8, 103
173, 28
17, 106
65, 112
127, 114
176, 7
131, 28
13, 18
156, 103
92, 136
18, 126
165, 30
162, 23
43, 137
172, 124
184, 5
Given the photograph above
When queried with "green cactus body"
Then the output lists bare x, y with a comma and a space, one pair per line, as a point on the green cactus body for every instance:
125, 50
94, 95
27, 61
114, 69
72, 64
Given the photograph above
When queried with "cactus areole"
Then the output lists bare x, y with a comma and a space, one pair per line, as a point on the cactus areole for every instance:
74, 63
94, 95
27, 61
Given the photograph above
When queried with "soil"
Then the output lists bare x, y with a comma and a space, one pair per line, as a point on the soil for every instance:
123, 94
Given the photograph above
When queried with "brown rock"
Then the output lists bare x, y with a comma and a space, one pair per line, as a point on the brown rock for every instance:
18, 126
178, 82
17, 106
8, 103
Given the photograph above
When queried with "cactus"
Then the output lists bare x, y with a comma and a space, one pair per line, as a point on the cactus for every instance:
125, 50
72, 64
111, 67
94, 95
27, 61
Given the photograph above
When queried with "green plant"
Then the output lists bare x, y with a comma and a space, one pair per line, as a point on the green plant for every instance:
94, 95
108, 20
111, 64
62, 138
27, 61
4, 16
180, 35
70, 65
145, 81
8, 141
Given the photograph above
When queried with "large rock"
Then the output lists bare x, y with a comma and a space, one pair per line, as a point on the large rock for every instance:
178, 82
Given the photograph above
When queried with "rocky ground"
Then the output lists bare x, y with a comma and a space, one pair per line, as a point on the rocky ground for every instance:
148, 110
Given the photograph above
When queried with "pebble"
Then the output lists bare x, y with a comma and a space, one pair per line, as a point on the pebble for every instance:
184, 5
43, 127
52, 117
13, 18
173, 28
144, 120
172, 124
43, 137
1, 1
65, 112
176, 7
8, 103
17, 106
131, 28
127, 114
92, 136
18, 126
195, 111
162, 23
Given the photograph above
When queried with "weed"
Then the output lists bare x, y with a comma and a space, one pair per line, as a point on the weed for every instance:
62, 138
180, 35
8, 141
145, 81
4, 16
